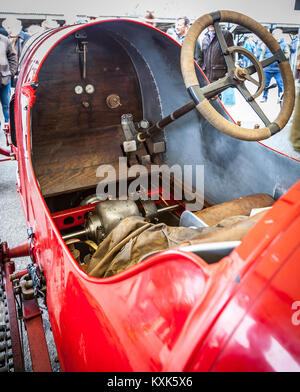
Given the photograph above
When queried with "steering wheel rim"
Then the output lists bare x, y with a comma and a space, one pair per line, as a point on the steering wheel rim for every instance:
199, 94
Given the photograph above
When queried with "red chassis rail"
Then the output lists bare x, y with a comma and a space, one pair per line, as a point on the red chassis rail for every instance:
31, 314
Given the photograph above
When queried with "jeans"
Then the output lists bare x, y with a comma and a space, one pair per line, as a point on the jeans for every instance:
278, 78
5, 98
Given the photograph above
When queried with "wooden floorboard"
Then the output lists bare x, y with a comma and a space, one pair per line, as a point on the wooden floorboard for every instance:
68, 163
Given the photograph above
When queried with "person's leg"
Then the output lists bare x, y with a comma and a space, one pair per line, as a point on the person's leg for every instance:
5, 98
1, 95
279, 82
268, 76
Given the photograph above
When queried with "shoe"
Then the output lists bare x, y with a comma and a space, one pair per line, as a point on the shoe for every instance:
263, 100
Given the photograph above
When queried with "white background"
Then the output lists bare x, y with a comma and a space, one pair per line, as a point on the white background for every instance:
277, 11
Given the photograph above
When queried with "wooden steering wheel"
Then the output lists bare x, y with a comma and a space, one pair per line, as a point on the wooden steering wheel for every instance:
237, 76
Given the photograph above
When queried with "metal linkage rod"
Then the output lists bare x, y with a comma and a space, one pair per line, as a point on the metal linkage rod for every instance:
169, 208
159, 125
77, 233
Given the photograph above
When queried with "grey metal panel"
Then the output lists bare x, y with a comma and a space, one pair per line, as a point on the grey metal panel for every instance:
212, 252
232, 168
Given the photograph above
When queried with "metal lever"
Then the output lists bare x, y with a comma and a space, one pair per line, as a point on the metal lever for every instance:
84, 44
82, 50
129, 132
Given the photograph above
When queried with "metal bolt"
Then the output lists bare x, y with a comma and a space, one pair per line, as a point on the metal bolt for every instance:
85, 104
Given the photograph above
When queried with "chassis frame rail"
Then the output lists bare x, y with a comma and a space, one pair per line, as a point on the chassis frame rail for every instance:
27, 311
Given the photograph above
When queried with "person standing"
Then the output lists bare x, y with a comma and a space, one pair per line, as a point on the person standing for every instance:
272, 70
293, 53
3, 31
182, 25
49, 23
150, 19
16, 35
8, 68
250, 44
213, 62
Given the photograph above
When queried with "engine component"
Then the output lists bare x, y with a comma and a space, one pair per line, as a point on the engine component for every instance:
94, 227
150, 209
75, 252
91, 244
113, 211
81, 250
109, 214
90, 200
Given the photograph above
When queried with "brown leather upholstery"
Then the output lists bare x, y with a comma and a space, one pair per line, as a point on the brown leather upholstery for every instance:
233, 232
241, 206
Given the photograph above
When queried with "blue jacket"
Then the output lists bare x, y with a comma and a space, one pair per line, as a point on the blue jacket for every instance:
251, 46
3, 31
22, 38
274, 66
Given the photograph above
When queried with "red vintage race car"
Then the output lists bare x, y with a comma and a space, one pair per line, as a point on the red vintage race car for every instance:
136, 278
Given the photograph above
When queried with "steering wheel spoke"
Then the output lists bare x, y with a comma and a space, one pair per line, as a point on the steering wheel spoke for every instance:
225, 50
215, 88
249, 98
252, 80
264, 63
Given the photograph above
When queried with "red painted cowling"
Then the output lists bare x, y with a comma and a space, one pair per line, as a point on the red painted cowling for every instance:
257, 328
173, 311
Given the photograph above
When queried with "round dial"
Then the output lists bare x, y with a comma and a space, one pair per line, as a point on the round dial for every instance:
78, 89
89, 88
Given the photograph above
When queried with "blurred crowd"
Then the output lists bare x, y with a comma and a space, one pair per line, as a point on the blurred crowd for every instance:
208, 55
13, 37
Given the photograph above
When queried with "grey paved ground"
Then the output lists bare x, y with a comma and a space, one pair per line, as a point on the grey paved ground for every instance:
12, 222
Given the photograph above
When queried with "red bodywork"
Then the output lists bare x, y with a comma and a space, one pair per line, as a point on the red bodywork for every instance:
173, 312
